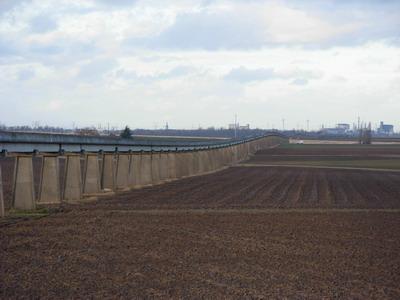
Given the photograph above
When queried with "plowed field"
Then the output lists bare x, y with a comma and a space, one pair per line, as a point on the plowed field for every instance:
116, 253
269, 187
348, 156
245, 232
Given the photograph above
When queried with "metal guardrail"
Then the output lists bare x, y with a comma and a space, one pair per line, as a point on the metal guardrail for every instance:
21, 142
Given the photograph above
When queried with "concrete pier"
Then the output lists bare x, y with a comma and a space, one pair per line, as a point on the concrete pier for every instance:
72, 179
23, 189
184, 164
108, 172
163, 166
145, 169
196, 162
49, 190
155, 168
134, 162
91, 182
179, 164
122, 180
171, 165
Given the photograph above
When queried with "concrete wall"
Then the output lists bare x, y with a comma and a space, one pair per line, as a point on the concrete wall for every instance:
121, 171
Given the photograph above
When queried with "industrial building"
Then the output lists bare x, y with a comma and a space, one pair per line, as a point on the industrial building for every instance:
385, 129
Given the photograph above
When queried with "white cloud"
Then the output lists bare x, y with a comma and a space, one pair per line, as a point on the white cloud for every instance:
191, 62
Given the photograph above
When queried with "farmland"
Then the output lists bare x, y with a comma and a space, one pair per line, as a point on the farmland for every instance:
250, 231
348, 156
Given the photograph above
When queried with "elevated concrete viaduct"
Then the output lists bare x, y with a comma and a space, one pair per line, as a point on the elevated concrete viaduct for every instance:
70, 177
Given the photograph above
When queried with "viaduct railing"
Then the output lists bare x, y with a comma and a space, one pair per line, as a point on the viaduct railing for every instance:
54, 177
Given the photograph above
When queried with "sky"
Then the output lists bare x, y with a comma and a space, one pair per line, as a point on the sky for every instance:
198, 63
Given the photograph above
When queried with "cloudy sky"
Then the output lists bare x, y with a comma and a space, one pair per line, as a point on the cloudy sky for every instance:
198, 62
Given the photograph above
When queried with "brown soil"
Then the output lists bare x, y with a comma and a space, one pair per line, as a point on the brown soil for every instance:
268, 187
216, 236
354, 150
118, 253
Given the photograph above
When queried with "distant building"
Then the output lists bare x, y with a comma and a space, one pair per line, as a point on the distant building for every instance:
87, 131
243, 127
340, 129
385, 129
343, 126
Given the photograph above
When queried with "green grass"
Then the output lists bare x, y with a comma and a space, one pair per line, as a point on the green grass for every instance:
15, 213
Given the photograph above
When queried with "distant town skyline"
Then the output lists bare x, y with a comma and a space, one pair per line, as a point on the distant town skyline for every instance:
198, 62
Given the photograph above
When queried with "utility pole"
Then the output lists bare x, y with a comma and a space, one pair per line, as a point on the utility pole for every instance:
283, 124
308, 125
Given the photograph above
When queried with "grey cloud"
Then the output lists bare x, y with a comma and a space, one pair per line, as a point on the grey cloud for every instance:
244, 75
7, 5
178, 71
234, 30
206, 31
42, 24
95, 69
26, 74
117, 3
7, 48
300, 81
45, 49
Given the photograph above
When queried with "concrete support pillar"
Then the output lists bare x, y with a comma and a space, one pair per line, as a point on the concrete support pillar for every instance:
180, 164
218, 160
155, 168
49, 190
145, 169
122, 180
2, 212
190, 163
134, 170
202, 162
172, 166
164, 168
196, 162
91, 182
225, 154
72, 179
108, 172
213, 159
207, 161
23, 189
